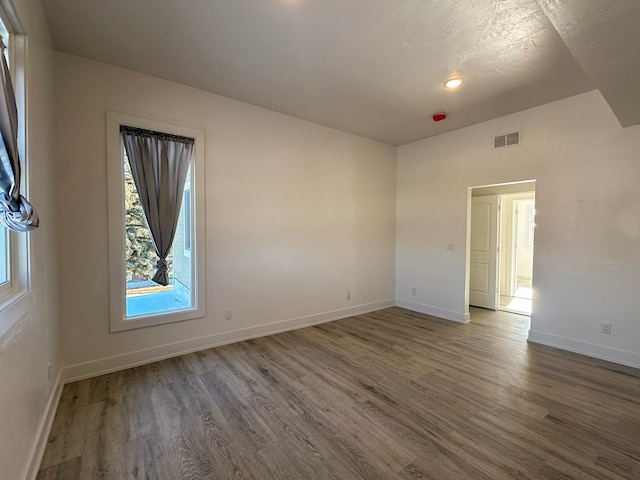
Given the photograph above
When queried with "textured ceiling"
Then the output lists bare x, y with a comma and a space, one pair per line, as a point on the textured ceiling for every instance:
604, 37
371, 67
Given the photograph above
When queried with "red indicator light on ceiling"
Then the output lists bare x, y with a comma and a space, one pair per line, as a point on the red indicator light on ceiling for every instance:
438, 117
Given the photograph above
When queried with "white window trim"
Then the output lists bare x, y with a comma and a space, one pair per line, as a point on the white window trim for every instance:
16, 298
117, 268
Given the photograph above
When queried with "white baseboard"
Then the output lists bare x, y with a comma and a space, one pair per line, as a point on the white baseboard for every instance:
102, 366
623, 357
434, 311
44, 429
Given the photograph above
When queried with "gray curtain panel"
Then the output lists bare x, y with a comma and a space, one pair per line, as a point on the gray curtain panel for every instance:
16, 213
159, 164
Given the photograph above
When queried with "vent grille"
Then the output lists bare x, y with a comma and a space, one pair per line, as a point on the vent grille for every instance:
506, 140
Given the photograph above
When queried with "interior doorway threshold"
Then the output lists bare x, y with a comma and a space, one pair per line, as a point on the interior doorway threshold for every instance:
519, 305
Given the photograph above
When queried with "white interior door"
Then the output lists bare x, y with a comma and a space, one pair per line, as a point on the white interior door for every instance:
483, 256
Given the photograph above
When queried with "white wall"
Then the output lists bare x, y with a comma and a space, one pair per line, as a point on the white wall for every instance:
296, 214
588, 220
31, 344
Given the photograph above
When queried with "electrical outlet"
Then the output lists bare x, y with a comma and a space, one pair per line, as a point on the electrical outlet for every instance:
449, 247
414, 291
605, 328
347, 295
228, 315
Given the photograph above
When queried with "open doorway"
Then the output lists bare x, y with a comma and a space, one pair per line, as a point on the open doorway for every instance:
517, 227
501, 228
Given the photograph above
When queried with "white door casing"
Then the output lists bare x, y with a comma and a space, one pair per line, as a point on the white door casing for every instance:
483, 255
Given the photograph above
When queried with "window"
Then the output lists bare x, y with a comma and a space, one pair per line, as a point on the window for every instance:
5, 260
5, 240
135, 300
6, 38
15, 299
143, 296
186, 216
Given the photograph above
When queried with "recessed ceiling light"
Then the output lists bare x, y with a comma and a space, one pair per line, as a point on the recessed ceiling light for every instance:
453, 83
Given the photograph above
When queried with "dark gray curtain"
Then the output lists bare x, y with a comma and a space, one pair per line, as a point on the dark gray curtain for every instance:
159, 164
16, 213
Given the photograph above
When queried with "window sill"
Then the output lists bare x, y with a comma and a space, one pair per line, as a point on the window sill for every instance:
14, 308
153, 320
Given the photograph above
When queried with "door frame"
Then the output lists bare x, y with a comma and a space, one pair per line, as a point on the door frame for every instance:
491, 189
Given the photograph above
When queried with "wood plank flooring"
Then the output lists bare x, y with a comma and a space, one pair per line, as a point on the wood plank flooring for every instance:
388, 395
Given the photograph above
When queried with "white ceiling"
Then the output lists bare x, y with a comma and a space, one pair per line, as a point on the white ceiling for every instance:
371, 67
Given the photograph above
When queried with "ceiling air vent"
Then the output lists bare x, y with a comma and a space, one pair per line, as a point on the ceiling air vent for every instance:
506, 140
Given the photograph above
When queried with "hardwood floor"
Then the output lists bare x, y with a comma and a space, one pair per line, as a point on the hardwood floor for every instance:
387, 395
